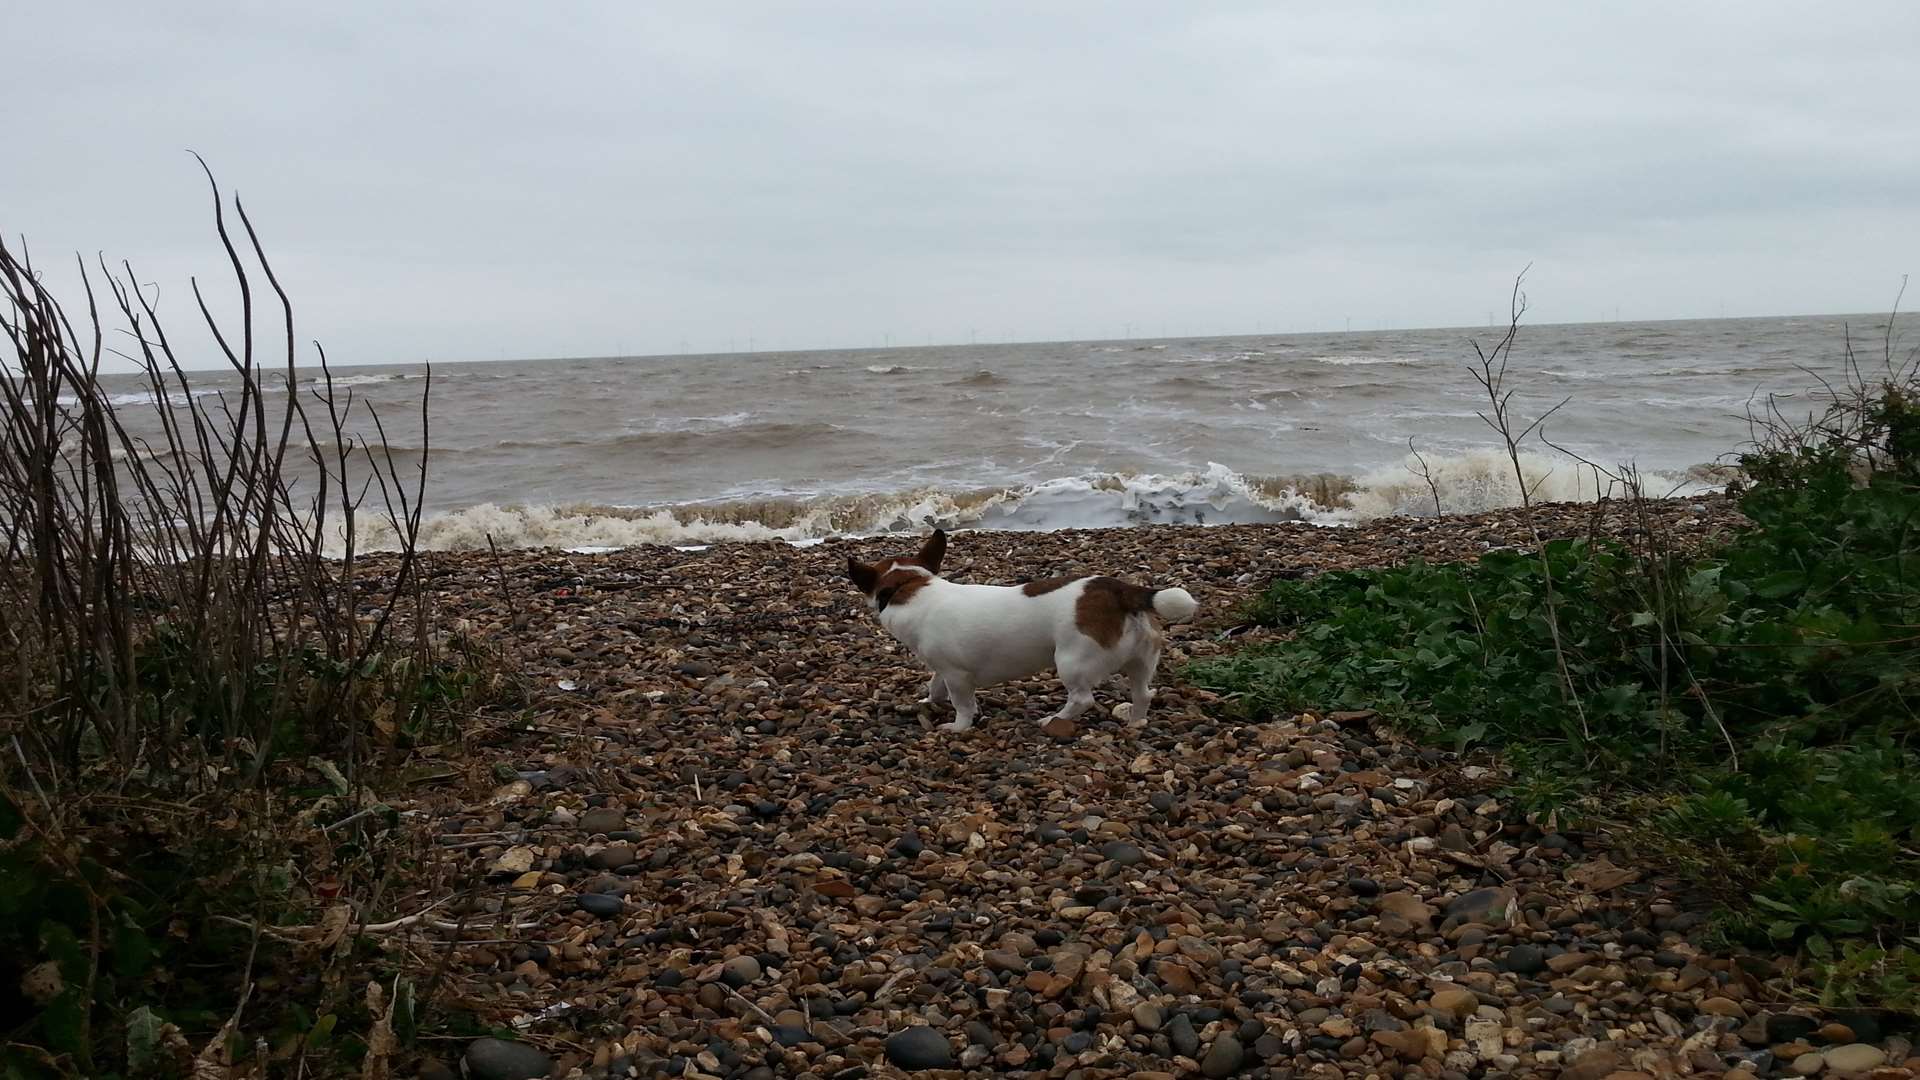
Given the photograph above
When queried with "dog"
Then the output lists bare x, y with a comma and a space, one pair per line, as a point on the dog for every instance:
975, 636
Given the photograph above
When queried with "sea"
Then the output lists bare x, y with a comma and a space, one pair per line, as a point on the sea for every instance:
1334, 428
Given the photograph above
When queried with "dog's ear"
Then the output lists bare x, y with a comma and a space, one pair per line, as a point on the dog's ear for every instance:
933, 551
864, 577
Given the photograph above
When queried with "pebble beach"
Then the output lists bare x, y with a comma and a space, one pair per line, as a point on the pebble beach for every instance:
722, 839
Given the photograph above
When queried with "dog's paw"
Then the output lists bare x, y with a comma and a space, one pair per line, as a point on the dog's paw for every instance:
955, 725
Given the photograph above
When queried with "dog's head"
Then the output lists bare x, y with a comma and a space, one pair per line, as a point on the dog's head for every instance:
893, 581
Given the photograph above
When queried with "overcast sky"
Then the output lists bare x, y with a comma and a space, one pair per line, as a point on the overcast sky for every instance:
478, 180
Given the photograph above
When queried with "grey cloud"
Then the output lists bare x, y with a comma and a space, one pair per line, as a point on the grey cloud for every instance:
492, 179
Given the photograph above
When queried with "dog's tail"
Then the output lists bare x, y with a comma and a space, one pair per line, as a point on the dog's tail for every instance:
1174, 605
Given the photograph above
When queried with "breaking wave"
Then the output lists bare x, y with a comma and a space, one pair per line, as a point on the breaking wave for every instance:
1480, 480
1468, 483
360, 380
1348, 360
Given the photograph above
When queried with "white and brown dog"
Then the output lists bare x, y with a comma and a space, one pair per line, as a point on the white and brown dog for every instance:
975, 636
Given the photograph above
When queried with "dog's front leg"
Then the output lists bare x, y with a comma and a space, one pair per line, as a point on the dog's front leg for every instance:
960, 690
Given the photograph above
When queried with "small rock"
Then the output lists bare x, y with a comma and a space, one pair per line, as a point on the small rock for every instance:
1719, 1006
498, 1059
1489, 905
1147, 1017
740, 971
613, 857
600, 904
603, 819
1121, 852
1181, 1036
1410, 1045
1455, 1000
1854, 1057
1525, 960
918, 1048
1224, 1057
515, 861
1808, 1064
1409, 907
1789, 1027
1595, 1064
1005, 961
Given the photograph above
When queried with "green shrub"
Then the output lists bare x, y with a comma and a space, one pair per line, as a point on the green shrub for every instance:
1768, 690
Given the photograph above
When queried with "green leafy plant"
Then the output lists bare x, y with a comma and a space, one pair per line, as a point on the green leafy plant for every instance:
1764, 695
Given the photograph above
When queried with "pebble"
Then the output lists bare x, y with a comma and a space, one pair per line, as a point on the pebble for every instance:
1854, 1057
600, 904
1181, 1036
602, 820
1784, 1027
1482, 905
1525, 960
1224, 1057
498, 1059
918, 1048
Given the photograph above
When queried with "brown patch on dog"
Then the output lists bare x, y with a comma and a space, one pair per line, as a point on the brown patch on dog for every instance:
864, 577
898, 587
1046, 585
1106, 604
888, 582
934, 550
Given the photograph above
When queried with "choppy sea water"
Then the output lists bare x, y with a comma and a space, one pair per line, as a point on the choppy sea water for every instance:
689, 449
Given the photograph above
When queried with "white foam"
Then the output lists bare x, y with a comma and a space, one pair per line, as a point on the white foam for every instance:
1480, 480
175, 398
701, 423
358, 380
1470, 482
1364, 361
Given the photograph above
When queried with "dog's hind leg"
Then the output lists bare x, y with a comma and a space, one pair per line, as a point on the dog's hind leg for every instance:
965, 707
937, 690
1079, 700
1081, 675
1139, 671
